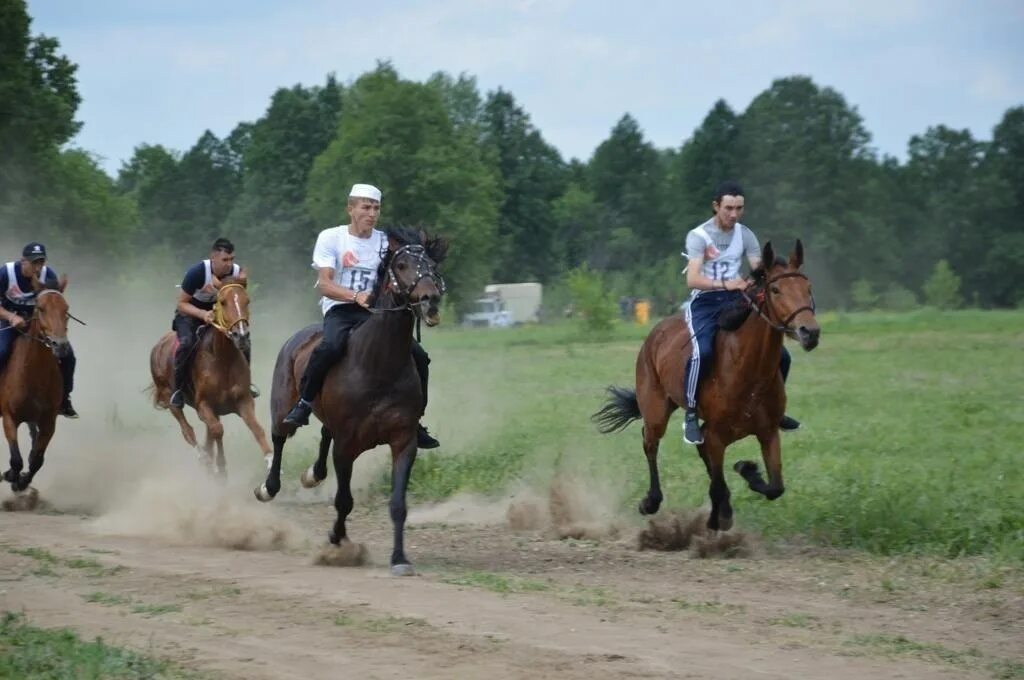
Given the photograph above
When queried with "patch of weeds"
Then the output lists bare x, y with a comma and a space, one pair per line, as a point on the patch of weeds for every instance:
1006, 670
386, 624
83, 563
589, 596
37, 654
708, 607
497, 583
898, 645
156, 609
795, 621
43, 570
106, 599
39, 554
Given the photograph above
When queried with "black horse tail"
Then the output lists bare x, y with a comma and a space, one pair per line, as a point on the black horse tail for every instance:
620, 410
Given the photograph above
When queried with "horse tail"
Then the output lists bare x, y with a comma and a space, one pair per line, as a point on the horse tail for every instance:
619, 411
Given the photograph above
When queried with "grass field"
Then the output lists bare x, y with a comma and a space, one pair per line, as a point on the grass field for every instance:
912, 440
30, 653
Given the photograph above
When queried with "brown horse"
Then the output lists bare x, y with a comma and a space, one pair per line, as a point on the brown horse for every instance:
372, 396
744, 393
31, 386
220, 375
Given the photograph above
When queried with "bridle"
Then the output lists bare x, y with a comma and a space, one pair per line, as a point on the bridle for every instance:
763, 299
44, 339
424, 270
219, 322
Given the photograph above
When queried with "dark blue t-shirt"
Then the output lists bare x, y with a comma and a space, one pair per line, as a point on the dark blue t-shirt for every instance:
13, 302
195, 281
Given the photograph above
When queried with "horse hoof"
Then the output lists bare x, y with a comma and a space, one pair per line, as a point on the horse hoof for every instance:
402, 570
308, 478
724, 523
648, 508
745, 467
263, 494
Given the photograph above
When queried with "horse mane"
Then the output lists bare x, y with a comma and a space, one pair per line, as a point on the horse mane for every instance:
242, 281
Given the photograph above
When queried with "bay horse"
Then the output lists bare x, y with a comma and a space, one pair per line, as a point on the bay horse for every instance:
372, 396
220, 375
743, 394
31, 386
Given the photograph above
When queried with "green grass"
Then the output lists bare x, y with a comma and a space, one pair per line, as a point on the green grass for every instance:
30, 653
38, 554
913, 428
497, 583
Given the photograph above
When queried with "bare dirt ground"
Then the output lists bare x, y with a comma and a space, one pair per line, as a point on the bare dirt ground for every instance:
490, 601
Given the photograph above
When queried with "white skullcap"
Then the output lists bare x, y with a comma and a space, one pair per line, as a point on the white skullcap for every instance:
365, 191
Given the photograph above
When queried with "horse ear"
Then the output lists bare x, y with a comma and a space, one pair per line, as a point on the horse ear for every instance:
393, 243
63, 283
767, 256
796, 258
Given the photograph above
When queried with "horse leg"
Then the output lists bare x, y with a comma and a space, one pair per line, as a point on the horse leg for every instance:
771, 451
317, 472
40, 441
713, 453
247, 412
13, 473
343, 502
653, 432
214, 432
268, 489
186, 430
402, 459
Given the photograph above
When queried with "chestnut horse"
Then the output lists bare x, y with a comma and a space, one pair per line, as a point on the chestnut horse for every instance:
220, 375
743, 394
372, 396
31, 386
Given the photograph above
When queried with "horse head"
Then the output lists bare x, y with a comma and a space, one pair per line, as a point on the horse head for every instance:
782, 296
231, 312
409, 271
51, 315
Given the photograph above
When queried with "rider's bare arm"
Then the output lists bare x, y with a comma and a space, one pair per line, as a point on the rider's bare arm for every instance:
11, 317
188, 309
755, 262
328, 288
694, 279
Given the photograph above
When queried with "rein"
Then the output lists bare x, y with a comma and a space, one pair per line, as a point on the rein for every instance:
765, 295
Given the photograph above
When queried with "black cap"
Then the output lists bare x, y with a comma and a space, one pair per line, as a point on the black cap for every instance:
33, 252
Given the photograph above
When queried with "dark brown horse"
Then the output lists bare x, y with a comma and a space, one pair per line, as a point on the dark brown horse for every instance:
31, 386
744, 393
372, 396
220, 375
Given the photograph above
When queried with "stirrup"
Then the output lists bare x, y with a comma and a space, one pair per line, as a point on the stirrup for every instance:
254, 391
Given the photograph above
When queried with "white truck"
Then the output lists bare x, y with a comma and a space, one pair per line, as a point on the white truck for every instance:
506, 304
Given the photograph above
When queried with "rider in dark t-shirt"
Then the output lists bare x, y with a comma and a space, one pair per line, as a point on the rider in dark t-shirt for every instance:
19, 303
195, 309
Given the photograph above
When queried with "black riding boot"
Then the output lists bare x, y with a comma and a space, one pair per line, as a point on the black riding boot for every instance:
424, 440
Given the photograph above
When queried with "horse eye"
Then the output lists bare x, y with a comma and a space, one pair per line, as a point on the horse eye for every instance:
402, 266
775, 289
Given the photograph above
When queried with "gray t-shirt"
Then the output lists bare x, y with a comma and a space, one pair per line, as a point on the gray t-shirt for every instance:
721, 262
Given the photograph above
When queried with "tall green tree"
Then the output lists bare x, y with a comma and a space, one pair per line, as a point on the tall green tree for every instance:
705, 159
532, 177
627, 176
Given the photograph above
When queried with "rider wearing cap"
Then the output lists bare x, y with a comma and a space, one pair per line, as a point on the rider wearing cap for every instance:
18, 305
347, 258
195, 309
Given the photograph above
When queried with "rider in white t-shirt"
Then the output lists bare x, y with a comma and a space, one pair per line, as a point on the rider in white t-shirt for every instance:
347, 259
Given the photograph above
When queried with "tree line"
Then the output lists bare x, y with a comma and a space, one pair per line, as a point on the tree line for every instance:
945, 226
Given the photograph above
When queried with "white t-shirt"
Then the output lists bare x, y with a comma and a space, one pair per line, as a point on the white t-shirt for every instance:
354, 260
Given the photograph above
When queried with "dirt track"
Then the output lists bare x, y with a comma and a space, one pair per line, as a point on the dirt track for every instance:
492, 602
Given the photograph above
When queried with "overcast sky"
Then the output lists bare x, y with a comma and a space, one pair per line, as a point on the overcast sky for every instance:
162, 71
